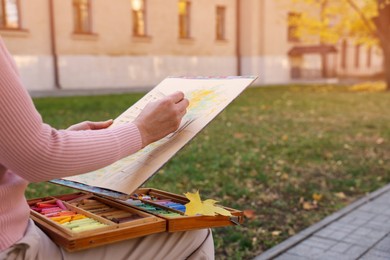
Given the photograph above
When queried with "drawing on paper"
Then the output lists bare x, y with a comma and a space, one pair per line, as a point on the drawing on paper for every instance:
207, 98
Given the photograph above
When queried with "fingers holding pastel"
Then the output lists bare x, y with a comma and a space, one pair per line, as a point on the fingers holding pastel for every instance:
161, 117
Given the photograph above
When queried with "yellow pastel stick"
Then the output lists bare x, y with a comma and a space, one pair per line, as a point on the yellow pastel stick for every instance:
78, 216
59, 218
65, 220
88, 227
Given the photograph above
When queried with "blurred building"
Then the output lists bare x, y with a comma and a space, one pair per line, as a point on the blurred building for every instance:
80, 44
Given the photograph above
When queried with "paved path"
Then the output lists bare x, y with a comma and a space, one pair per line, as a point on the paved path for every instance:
358, 231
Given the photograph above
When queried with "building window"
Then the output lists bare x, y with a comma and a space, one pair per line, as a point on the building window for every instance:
344, 50
369, 56
139, 17
220, 23
184, 18
82, 16
357, 56
9, 14
292, 25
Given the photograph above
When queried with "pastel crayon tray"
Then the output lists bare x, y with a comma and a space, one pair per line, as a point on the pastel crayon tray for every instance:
171, 207
83, 220
78, 221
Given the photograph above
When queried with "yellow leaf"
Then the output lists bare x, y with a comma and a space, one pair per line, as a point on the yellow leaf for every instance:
194, 205
206, 208
317, 197
222, 211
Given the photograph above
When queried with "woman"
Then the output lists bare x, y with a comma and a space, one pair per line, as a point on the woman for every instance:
32, 151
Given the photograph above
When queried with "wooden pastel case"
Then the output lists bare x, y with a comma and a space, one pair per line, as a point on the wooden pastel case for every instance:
144, 224
147, 221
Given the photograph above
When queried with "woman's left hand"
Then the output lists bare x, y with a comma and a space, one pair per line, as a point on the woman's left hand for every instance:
88, 125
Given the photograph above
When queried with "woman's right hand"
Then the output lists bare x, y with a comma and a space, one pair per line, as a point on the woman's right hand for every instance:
161, 117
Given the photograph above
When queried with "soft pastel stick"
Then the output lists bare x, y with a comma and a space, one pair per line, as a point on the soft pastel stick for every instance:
72, 225
67, 213
81, 221
36, 209
58, 218
45, 205
61, 204
49, 210
78, 216
88, 227
67, 219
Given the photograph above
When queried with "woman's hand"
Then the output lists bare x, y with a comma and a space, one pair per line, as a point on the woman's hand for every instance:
162, 117
88, 125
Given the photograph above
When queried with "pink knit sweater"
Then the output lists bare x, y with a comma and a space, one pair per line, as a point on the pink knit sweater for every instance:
31, 151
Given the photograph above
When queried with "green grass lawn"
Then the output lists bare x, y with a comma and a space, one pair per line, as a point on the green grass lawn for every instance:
286, 155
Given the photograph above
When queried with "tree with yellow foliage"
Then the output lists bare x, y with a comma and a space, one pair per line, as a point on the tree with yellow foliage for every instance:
367, 22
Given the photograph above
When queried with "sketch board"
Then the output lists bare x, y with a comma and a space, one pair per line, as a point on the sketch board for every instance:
207, 96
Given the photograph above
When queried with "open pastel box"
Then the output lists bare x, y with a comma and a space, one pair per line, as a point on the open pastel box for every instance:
92, 220
97, 219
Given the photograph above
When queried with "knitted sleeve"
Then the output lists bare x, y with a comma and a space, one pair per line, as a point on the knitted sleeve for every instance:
38, 152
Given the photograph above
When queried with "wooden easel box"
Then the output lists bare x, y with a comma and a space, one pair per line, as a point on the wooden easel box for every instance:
113, 232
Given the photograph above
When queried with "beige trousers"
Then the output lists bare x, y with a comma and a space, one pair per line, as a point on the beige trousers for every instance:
191, 245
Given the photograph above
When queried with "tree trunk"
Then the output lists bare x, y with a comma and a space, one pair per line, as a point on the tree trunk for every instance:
382, 23
386, 56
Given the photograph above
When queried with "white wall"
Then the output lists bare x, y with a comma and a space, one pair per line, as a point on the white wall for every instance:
270, 69
83, 71
36, 72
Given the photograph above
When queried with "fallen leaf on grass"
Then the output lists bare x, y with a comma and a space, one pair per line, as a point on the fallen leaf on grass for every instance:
249, 213
347, 147
368, 86
380, 140
328, 155
317, 197
276, 233
206, 208
284, 176
308, 205
268, 197
238, 135
340, 195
